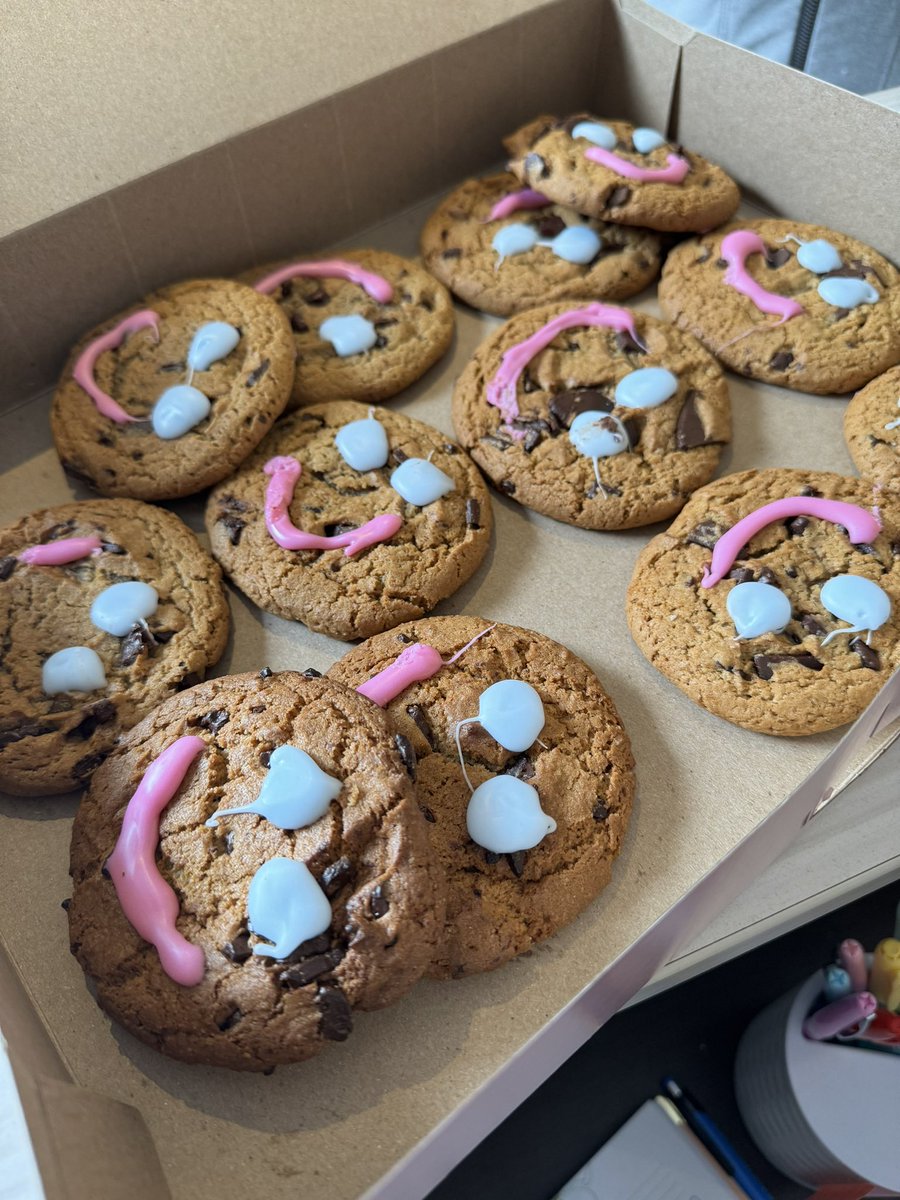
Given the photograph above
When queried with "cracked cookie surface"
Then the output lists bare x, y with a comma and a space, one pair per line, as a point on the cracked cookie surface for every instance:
545, 156
782, 683
872, 430
581, 766
413, 330
456, 246
248, 388
824, 349
436, 549
369, 853
675, 447
51, 744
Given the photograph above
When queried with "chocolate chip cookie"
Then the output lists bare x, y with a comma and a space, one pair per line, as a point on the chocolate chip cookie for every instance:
151, 582
814, 631
797, 305
872, 430
617, 172
366, 323
309, 536
359, 871
579, 764
503, 248
597, 416
167, 398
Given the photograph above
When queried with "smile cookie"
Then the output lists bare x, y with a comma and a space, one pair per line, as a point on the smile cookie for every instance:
523, 771
351, 520
796, 305
503, 248
168, 398
773, 600
597, 416
249, 868
107, 607
614, 171
872, 430
366, 324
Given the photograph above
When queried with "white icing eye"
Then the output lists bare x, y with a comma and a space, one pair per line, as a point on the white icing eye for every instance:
818, 256
646, 387
210, 343
285, 905
363, 445
644, 140
577, 244
514, 239
117, 609
75, 669
295, 793
847, 293
512, 713
349, 335
855, 599
420, 482
505, 815
177, 410
598, 435
600, 135
758, 608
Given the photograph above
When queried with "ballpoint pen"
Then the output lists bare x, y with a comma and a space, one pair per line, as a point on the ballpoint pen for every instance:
838, 1016
852, 958
715, 1141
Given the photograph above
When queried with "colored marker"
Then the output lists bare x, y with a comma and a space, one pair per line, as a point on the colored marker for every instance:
852, 958
715, 1141
837, 983
840, 1015
884, 979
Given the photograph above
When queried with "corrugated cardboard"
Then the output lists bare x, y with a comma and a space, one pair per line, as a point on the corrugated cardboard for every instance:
711, 808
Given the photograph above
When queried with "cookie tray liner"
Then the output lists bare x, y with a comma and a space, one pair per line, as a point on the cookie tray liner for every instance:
418, 1084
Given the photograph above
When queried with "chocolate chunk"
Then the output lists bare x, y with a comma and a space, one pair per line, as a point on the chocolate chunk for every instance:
7, 566
721, 264
257, 373
134, 644
336, 1023
87, 765
507, 486
417, 713
895, 549
689, 431
809, 491
566, 406
112, 548
335, 875
228, 842
378, 904
302, 973
533, 164
791, 572
65, 905
768, 576
453, 253
233, 503
380, 342
339, 527
187, 681
170, 368
868, 656
449, 448
238, 949
600, 811
844, 273
626, 344
797, 525
550, 225
299, 326
231, 1020
516, 862
703, 256
266, 673
26, 730
312, 673
494, 439
617, 197
265, 758
214, 720
427, 814
399, 455
741, 575
764, 662
98, 714
781, 360
865, 548
520, 768
473, 513
405, 639
234, 525
532, 437
407, 754
310, 948
55, 532
706, 534
792, 637
777, 258
873, 441
318, 297
490, 857
528, 384
77, 473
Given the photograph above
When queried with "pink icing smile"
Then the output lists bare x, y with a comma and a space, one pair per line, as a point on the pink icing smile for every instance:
335, 268
501, 391
412, 665
66, 550
524, 198
147, 900
675, 172
736, 247
284, 474
83, 372
861, 526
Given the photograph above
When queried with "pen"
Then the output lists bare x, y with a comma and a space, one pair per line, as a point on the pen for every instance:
852, 958
839, 1015
884, 979
715, 1141
837, 983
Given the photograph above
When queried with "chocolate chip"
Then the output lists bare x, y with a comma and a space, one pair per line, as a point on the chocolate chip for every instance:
777, 258
302, 973
781, 361
550, 225
380, 342
399, 455
65, 905
238, 949
257, 373
520, 768
844, 273
417, 713
310, 948
378, 904
703, 256
721, 264
528, 384
840, 313
516, 862
214, 720
449, 448
507, 486
532, 437
266, 673
162, 635
234, 525
768, 576
809, 491
876, 441
134, 644
7, 566
265, 758
566, 406
112, 548
312, 673
617, 197
689, 431
533, 164
104, 871
764, 662
55, 532
490, 857
337, 528
451, 253
335, 875
473, 513
741, 575
233, 503
405, 639
427, 814
231, 1020
865, 548
791, 572
170, 368
187, 681
336, 1023
626, 344
228, 842
706, 534
298, 326
600, 811
868, 656
407, 754
87, 765
318, 297
98, 714
797, 525
494, 439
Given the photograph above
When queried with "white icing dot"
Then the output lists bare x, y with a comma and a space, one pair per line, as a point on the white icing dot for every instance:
75, 669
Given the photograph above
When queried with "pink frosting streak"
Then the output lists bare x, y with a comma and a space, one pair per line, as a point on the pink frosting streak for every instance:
412, 665
501, 391
735, 249
66, 550
83, 373
861, 526
673, 173
147, 900
334, 268
285, 472
524, 198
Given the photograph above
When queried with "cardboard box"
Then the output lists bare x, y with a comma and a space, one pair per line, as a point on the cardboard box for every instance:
418, 1084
